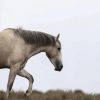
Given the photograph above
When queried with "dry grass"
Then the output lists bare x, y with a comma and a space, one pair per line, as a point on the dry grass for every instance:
51, 95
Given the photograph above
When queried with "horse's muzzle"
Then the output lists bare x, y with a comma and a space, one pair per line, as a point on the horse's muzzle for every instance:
59, 68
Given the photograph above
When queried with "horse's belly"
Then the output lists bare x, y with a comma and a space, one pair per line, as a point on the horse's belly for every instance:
3, 66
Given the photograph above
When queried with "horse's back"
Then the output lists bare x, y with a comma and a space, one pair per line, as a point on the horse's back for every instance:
7, 40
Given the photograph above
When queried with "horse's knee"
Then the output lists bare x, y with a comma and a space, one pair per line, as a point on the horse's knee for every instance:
31, 78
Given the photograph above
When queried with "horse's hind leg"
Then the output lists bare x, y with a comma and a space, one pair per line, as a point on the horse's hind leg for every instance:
25, 74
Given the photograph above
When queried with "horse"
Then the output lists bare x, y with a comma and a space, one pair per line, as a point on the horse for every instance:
18, 45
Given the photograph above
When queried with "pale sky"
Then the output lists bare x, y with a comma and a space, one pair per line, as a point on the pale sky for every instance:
78, 23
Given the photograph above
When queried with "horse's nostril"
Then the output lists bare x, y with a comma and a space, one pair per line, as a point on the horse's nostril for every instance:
61, 66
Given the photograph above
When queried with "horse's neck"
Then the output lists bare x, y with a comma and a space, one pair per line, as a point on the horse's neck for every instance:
37, 50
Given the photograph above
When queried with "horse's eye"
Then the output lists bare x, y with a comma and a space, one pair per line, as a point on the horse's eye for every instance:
59, 49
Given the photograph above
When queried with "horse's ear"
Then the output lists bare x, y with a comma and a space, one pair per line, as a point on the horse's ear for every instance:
57, 37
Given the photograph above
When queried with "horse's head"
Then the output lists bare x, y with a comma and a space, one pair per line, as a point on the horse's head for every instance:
54, 54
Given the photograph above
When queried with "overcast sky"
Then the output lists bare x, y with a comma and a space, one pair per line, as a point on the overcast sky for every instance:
78, 21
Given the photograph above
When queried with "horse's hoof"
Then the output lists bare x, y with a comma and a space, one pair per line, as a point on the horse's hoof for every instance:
28, 93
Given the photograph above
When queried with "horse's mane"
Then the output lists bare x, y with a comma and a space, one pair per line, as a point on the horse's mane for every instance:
35, 37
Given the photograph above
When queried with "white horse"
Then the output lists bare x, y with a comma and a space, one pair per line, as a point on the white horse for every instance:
18, 45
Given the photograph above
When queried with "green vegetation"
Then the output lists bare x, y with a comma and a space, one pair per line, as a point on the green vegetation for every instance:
51, 95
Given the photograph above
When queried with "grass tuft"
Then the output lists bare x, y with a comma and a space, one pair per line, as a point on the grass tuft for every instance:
51, 95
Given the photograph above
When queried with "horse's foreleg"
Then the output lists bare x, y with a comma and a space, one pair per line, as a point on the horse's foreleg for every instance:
25, 74
12, 75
